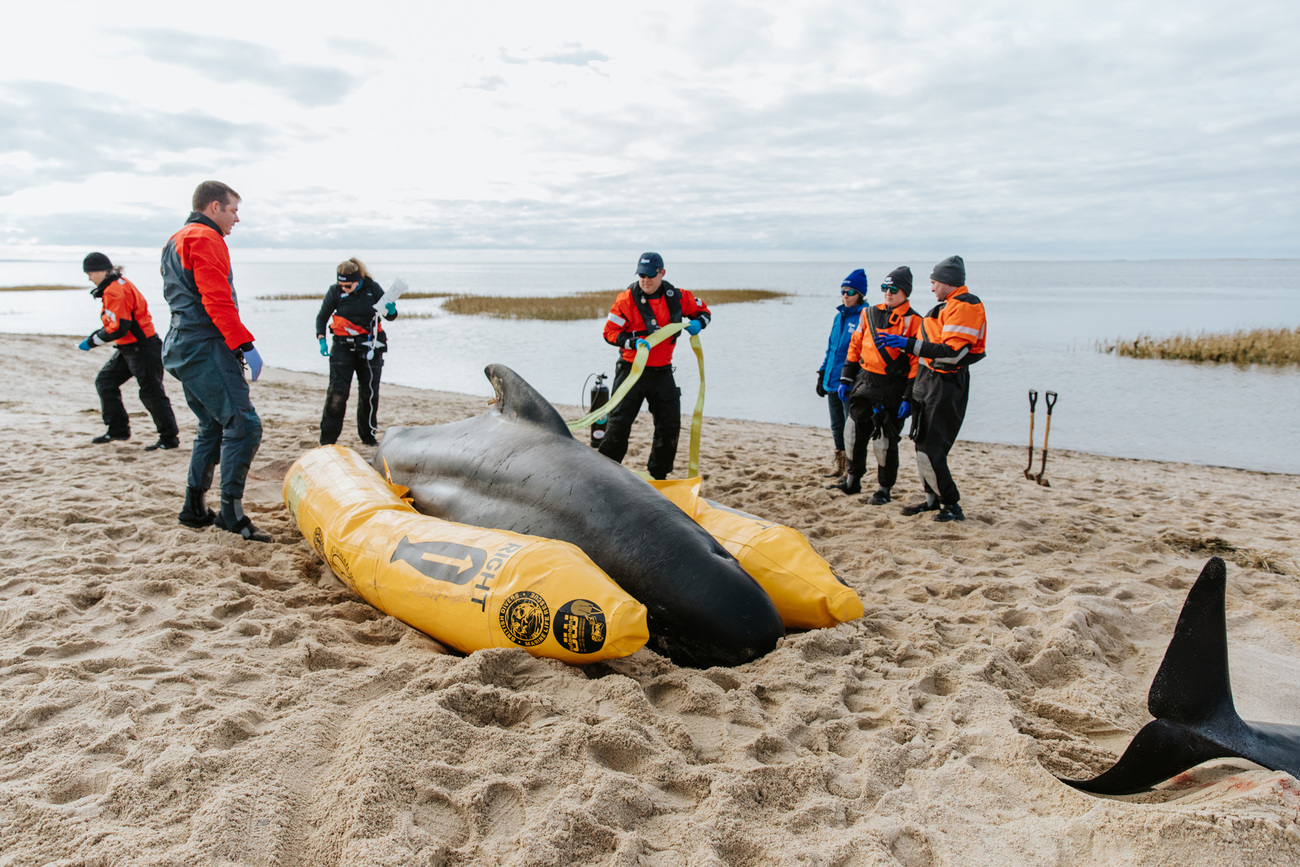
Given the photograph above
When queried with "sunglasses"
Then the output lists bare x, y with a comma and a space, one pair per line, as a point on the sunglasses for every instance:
889, 290
850, 292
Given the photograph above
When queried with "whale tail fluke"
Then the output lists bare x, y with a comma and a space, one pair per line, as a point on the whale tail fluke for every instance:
1191, 700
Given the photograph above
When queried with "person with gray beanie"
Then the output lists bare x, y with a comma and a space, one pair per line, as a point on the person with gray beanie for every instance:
951, 339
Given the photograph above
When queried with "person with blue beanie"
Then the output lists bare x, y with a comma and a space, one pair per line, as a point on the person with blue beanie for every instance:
853, 291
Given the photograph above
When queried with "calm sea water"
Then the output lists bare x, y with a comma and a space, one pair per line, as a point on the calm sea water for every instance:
1045, 319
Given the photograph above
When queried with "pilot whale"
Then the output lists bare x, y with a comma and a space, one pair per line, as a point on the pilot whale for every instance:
517, 467
1191, 700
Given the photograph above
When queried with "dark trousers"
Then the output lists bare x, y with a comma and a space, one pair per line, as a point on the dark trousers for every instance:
144, 362
347, 359
229, 428
939, 403
658, 389
837, 419
873, 413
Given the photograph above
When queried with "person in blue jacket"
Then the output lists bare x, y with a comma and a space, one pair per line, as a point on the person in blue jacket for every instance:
853, 291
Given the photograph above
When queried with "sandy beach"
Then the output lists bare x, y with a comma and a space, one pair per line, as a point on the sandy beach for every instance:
179, 697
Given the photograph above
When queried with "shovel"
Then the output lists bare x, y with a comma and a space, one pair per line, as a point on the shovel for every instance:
1033, 401
1050, 398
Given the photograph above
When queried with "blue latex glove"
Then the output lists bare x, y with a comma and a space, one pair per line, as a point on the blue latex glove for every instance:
891, 341
642, 343
324, 347
254, 362
843, 392
904, 410
84, 345
391, 308
693, 327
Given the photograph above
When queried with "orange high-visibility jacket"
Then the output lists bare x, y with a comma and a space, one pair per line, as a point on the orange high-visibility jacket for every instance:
952, 334
125, 315
862, 346
627, 320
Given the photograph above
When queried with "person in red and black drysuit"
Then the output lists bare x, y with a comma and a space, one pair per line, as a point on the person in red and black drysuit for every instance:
951, 340
350, 312
877, 383
127, 324
207, 348
640, 310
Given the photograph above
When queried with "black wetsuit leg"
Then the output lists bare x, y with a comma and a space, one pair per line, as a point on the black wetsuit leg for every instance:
940, 402
665, 400
109, 385
343, 363
147, 367
614, 445
369, 371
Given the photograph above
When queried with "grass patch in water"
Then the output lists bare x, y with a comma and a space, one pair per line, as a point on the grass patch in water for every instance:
42, 288
1260, 346
320, 296
585, 305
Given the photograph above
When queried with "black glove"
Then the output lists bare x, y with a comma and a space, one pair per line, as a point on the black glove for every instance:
821, 392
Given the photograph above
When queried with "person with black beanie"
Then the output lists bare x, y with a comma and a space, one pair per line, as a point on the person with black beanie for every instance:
138, 352
951, 339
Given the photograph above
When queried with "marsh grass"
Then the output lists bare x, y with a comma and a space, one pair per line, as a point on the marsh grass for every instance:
1264, 561
585, 305
42, 288
317, 296
1261, 346
561, 308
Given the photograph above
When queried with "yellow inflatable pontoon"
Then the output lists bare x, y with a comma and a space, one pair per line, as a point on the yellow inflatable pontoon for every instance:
468, 587
803, 586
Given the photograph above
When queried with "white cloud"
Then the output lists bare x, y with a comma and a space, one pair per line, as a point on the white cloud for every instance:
1076, 129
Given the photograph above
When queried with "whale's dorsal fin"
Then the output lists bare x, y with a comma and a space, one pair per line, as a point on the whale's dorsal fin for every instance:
1191, 700
1192, 684
517, 399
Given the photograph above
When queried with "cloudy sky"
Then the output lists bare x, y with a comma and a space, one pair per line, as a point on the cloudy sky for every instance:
804, 128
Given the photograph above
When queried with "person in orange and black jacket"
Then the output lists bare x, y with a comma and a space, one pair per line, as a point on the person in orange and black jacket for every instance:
877, 384
951, 340
350, 312
640, 310
127, 324
207, 348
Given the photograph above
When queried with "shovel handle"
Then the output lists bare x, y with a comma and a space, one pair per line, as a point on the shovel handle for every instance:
1033, 400
1051, 401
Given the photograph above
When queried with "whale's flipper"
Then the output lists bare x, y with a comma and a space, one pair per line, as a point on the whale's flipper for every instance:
1191, 700
517, 399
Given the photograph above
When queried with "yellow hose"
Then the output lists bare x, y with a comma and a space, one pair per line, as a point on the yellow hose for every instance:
638, 365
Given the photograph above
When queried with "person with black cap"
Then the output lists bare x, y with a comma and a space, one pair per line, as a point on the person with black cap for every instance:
207, 349
853, 290
876, 382
951, 339
639, 311
127, 324
350, 312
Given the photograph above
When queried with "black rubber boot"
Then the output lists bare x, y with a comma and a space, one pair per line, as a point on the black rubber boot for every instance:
195, 512
164, 443
233, 520
850, 484
927, 506
880, 497
109, 438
